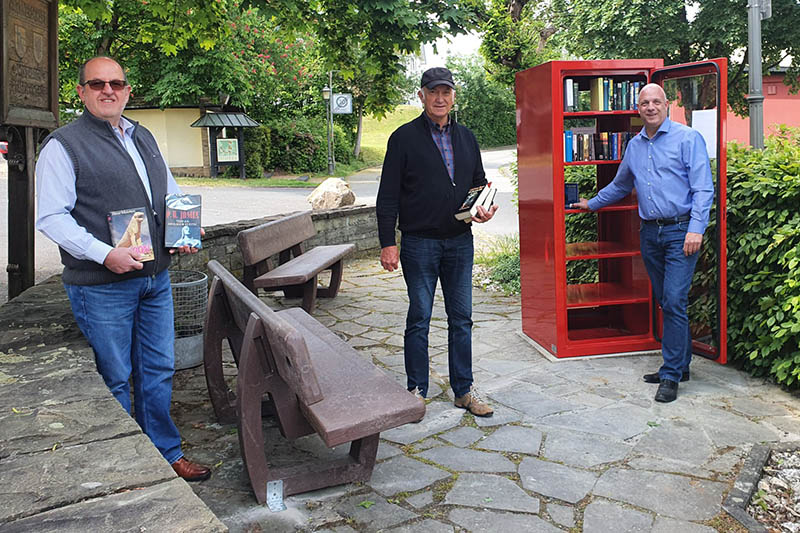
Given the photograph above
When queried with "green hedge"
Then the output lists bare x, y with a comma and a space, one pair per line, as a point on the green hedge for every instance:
294, 145
763, 257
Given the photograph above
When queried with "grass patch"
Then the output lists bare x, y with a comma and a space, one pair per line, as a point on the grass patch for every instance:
375, 133
259, 182
498, 265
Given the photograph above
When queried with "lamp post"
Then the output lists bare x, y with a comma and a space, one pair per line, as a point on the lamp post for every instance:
326, 95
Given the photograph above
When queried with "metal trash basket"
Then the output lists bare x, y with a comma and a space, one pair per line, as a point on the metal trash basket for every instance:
190, 299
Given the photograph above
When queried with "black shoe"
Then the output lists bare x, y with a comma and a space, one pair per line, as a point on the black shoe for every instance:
667, 391
654, 378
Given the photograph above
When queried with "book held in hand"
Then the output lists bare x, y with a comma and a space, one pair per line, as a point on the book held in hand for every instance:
182, 226
129, 229
570, 194
477, 196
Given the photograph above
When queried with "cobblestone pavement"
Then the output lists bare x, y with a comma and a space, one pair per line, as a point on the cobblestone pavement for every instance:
575, 445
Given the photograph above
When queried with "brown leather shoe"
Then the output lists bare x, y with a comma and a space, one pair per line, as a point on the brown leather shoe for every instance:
190, 471
473, 403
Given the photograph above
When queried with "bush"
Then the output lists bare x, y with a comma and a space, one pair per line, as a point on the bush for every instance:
763, 256
301, 145
484, 106
502, 261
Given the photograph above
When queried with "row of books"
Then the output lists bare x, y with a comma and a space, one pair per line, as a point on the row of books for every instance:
604, 94
129, 227
606, 145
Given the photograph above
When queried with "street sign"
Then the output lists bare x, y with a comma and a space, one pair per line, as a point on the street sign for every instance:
342, 104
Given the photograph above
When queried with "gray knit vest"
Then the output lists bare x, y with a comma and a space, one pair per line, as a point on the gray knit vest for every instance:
106, 180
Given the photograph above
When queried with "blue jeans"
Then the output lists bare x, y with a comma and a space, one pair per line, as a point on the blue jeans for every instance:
424, 262
670, 273
130, 327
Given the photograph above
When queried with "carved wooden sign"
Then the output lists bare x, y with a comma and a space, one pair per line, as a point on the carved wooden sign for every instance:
29, 63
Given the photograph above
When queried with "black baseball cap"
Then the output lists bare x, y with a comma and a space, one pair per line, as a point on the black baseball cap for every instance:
437, 76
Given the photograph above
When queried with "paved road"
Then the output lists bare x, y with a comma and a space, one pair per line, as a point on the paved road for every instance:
228, 204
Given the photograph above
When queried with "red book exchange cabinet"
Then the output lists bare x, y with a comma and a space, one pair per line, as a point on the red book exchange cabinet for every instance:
581, 114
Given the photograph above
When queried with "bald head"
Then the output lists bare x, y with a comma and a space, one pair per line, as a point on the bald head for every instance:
652, 107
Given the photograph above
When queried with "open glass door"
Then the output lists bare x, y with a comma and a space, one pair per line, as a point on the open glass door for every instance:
698, 96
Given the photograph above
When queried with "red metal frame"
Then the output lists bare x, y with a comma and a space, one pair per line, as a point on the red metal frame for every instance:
612, 316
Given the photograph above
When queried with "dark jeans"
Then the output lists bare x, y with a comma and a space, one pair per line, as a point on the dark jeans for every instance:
130, 327
671, 274
424, 262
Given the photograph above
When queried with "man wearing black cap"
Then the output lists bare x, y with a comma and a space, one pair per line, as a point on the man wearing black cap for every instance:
430, 164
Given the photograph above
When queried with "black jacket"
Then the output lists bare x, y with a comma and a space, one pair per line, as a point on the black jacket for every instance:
416, 187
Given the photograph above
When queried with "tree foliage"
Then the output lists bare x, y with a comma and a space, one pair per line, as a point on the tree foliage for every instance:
485, 106
516, 36
611, 29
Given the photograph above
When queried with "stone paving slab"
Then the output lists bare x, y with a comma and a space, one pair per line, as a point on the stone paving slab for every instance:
372, 512
666, 494
49, 479
515, 439
602, 516
465, 460
486, 520
556, 481
168, 506
489, 491
403, 474
583, 449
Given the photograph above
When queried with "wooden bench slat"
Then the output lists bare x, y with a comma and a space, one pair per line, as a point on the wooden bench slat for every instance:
304, 267
358, 399
265, 240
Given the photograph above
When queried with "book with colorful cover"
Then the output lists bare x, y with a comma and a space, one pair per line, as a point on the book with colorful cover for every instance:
130, 229
182, 226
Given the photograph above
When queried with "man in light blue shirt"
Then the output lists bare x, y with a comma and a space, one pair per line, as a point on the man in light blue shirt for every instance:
668, 165
121, 299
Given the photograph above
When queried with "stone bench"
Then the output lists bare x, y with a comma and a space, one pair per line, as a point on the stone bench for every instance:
296, 273
316, 383
71, 458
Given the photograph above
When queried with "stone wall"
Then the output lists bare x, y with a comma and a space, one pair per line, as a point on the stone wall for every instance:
71, 459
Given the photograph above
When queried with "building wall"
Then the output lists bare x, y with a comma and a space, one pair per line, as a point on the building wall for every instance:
183, 146
780, 107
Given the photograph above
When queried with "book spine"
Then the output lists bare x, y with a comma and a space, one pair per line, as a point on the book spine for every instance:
606, 95
568, 146
576, 96
596, 94
569, 95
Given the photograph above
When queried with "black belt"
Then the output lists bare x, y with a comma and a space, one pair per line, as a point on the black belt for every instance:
668, 221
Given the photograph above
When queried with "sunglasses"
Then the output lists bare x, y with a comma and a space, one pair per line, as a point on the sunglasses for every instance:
99, 85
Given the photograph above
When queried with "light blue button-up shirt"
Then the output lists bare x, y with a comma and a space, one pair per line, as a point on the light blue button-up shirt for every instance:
56, 194
671, 173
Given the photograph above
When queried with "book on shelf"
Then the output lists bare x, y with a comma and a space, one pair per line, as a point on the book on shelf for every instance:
568, 146
182, 226
583, 144
129, 229
596, 94
607, 94
477, 196
569, 95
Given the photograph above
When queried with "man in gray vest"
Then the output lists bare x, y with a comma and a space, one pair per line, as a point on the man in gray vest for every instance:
98, 164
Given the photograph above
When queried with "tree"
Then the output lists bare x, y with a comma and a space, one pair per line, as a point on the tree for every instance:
485, 106
516, 36
365, 41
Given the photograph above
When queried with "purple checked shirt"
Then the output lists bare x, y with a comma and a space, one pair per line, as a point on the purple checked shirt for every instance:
444, 142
